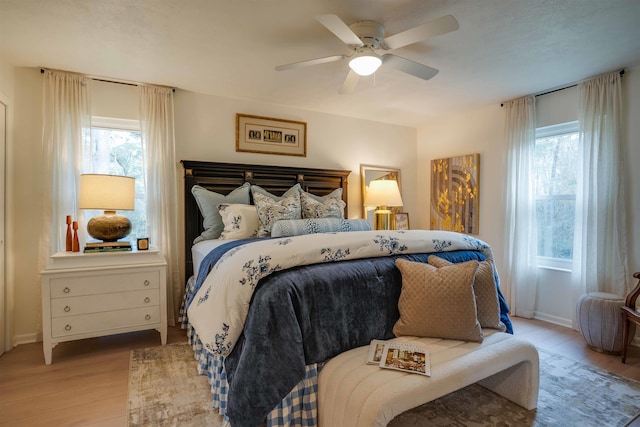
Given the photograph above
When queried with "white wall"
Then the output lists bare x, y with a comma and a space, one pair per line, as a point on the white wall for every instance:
482, 131
477, 131
24, 182
6, 291
205, 130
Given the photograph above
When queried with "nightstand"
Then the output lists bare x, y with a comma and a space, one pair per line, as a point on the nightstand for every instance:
97, 294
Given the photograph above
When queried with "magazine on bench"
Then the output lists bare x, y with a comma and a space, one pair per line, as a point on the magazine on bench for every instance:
405, 357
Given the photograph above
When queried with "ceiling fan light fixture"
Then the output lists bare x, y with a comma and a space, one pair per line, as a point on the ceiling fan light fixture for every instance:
365, 64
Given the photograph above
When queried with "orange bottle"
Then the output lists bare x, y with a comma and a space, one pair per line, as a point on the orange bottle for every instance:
75, 247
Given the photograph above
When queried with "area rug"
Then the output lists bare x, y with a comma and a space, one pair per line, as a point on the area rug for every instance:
165, 390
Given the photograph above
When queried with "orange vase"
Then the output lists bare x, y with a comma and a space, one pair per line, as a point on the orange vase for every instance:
69, 235
75, 247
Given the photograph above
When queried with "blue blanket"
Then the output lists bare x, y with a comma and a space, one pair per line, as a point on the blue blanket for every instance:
307, 315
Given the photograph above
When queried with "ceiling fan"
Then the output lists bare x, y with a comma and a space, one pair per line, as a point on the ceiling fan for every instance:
366, 39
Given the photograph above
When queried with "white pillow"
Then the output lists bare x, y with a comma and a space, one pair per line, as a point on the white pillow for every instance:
240, 221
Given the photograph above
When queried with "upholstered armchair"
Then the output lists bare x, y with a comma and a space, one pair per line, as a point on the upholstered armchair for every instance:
630, 314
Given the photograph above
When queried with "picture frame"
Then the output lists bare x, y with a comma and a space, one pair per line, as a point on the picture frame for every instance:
402, 221
143, 243
267, 135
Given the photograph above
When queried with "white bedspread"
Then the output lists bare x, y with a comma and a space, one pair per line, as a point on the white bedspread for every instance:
201, 249
220, 307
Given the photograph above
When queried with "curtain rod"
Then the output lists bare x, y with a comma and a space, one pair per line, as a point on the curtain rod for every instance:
111, 80
560, 88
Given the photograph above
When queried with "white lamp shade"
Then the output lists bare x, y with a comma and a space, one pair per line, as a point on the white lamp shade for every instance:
107, 192
383, 192
365, 64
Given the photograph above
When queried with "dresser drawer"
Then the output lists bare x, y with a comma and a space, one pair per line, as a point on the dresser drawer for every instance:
105, 321
96, 283
73, 306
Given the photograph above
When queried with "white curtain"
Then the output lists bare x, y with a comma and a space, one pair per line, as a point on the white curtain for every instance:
66, 118
600, 250
520, 247
158, 145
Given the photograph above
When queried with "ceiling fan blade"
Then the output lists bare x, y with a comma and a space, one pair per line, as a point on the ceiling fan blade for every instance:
410, 67
309, 62
422, 32
350, 83
340, 29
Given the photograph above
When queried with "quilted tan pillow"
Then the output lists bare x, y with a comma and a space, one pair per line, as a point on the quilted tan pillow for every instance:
438, 302
486, 292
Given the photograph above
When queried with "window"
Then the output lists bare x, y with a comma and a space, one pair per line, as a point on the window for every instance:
555, 174
115, 148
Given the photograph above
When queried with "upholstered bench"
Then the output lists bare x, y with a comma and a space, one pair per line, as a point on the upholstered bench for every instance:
354, 394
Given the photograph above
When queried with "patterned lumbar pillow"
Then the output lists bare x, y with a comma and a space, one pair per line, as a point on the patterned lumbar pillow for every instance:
240, 221
269, 210
330, 207
297, 227
486, 292
438, 302
208, 202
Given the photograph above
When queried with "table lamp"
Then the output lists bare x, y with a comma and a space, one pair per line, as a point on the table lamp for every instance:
383, 193
108, 193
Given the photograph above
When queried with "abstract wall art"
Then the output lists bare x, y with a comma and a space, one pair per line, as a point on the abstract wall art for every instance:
455, 203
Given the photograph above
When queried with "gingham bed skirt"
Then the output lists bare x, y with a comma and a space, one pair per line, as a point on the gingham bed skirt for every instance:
298, 408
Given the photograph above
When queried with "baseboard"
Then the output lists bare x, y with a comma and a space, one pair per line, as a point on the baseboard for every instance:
552, 319
567, 323
25, 339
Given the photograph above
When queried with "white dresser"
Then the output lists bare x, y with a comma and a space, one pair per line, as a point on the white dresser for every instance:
97, 294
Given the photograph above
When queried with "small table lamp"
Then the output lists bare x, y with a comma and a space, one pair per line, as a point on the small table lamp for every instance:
109, 193
383, 193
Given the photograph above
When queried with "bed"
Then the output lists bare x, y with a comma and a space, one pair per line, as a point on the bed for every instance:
307, 299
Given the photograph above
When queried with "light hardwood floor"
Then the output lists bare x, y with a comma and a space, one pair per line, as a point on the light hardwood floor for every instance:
87, 383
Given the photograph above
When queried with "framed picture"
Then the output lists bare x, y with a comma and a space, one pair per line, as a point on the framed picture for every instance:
402, 221
255, 134
455, 198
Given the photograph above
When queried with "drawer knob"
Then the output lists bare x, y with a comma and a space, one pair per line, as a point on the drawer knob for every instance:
67, 309
147, 317
66, 290
67, 328
146, 283
147, 299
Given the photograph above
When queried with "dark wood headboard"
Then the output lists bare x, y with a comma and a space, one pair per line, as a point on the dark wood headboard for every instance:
225, 177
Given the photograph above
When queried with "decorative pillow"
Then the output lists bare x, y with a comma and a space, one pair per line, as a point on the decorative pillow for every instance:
208, 202
269, 210
240, 221
326, 208
438, 302
296, 227
485, 289
335, 194
255, 189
